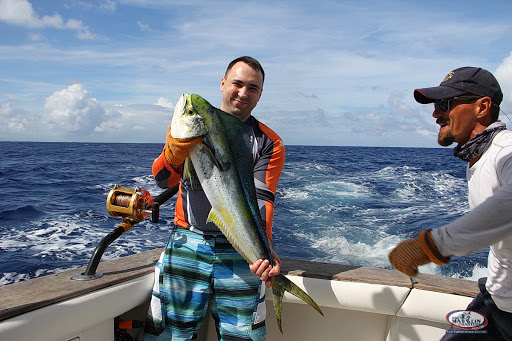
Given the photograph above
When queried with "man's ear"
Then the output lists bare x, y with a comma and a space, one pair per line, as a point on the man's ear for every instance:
484, 107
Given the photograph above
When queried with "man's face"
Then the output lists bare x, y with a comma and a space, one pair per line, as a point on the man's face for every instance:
241, 90
457, 124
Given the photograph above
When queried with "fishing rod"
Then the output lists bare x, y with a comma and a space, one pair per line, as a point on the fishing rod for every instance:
133, 205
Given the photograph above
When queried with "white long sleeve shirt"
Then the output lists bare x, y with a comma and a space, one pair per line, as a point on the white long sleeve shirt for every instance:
489, 223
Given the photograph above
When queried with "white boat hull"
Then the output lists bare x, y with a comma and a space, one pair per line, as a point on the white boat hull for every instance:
358, 304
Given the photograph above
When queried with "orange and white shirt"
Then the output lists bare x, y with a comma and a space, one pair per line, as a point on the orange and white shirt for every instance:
192, 206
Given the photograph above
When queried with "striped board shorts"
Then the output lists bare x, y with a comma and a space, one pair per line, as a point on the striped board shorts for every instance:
195, 272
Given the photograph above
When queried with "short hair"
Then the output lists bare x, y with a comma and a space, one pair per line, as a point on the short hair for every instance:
253, 63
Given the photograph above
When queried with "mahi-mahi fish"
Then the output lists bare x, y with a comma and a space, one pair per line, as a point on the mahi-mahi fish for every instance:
223, 164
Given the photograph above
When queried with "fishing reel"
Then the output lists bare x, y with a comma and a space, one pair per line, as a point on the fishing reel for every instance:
132, 204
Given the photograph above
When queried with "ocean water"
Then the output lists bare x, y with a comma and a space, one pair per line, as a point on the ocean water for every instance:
347, 205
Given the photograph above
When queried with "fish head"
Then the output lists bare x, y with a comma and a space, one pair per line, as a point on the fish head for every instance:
190, 118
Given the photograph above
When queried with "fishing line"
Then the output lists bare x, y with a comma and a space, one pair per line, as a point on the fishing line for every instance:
123, 200
506, 115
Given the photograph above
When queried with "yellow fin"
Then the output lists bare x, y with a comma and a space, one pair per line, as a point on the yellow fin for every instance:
216, 220
212, 217
282, 284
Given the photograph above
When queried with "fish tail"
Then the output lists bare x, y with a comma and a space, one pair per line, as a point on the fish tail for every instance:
282, 284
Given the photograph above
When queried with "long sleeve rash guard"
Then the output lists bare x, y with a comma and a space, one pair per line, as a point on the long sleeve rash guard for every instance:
192, 206
489, 223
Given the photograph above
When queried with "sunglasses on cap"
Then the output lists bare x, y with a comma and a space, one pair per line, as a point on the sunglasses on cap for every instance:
444, 104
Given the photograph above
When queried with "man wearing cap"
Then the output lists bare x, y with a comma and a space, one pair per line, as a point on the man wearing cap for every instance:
466, 107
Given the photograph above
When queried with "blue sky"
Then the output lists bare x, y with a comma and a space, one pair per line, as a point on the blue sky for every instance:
337, 72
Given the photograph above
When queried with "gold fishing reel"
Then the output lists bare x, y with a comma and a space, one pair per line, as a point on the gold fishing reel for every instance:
132, 204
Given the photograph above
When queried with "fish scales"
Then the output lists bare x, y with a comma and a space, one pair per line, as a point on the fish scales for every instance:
223, 165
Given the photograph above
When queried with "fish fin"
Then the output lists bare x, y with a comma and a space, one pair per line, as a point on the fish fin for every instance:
235, 129
187, 169
278, 292
211, 156
212, 217
282, 284
239, 138
189, 173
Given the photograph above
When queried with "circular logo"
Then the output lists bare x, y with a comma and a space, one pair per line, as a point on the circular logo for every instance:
466, 319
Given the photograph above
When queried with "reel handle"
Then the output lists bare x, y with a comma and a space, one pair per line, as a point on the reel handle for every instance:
160, 199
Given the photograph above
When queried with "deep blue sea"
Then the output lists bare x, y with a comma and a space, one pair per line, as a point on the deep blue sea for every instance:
347, 205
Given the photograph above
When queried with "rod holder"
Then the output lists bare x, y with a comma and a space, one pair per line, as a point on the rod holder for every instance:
132, 204
90, 272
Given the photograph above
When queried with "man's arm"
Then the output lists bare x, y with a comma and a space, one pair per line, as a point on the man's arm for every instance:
167, 167
486, 224
267, 171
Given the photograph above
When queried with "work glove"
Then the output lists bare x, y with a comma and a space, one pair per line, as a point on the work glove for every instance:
176, 150
411, 253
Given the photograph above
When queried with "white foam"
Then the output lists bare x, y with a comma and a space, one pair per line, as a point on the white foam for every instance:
12, 277
369, 250
478, 272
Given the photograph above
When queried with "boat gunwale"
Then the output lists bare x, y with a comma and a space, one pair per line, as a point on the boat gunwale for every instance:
22, 297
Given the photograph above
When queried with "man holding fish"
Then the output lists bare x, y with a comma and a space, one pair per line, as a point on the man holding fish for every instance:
200, 268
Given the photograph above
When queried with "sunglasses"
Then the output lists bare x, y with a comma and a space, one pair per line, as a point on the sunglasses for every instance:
444, 104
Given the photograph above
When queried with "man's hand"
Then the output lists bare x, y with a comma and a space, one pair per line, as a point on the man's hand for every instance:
176, 150
265, 271
408, 255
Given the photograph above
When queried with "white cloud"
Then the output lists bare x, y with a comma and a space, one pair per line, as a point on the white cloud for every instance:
135, 123
164, 102
104, 6
21, 13
10, 119
73, 110
108, 5
13, 121
144, 27
355, 85
72, 114
504, 75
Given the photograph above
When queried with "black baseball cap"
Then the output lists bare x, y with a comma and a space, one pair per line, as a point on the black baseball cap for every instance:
468, 79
